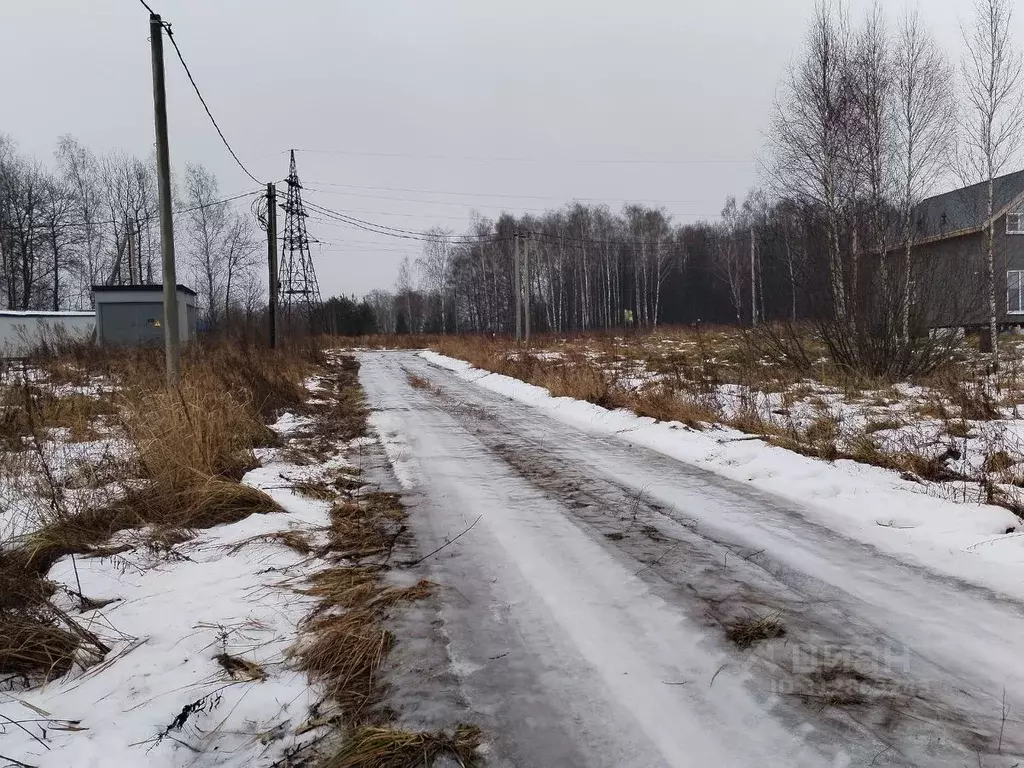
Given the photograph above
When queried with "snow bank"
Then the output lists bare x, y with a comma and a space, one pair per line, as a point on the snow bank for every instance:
172, 615
862, 502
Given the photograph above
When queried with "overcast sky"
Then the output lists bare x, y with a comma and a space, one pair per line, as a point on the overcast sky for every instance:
420, 111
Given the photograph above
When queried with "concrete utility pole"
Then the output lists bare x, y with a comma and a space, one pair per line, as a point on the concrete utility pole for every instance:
526, 280
272, 259
172, 340
518, 289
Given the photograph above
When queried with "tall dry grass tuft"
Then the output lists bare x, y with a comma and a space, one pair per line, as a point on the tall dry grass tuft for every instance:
373, 747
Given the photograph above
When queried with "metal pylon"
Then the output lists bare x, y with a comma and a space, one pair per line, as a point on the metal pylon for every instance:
299, 289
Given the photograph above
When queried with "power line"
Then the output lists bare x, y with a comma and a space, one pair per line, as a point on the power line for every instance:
464, 205
139, 220
637, 161
408, 234
495, 194
146, 6
195, 86
397, 232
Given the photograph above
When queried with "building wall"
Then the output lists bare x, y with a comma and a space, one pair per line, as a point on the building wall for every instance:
141, 322
20, 332
951, 277
131, 323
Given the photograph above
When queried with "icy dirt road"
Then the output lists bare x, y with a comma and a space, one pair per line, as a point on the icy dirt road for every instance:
587, 610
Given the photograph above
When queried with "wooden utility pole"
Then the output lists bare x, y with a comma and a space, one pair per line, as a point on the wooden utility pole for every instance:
272, 259
518, 289
172, 340
526, 280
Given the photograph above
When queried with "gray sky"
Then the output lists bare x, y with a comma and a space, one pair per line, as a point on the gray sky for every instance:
495, 104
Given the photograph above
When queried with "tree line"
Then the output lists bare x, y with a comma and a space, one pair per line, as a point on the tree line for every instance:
93, 220
870, 117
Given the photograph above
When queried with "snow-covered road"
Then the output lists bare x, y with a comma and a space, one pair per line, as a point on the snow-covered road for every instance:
587, 609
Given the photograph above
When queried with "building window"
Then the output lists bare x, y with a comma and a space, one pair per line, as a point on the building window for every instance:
1015, 223
1015, 292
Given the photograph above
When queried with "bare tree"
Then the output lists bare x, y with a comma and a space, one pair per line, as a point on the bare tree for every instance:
871, 78
924, 122
59, 207
80, 170
384, 306
810, 135
729, 261
993, 118
208, 228
436, 264
241, 254
23, 205
129, 189
405, 286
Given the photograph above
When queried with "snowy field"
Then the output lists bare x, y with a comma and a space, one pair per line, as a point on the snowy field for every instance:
198, 628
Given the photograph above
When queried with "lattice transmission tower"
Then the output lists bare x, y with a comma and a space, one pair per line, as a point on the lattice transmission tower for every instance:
299, 290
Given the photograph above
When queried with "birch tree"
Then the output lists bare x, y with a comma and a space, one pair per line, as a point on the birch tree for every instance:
435, 264
924, 121
809, 135
992, 120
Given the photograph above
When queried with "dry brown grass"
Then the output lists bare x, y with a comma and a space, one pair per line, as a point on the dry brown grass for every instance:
191, 447
665, 404
239, 668
882, 424
342, 415
32, 646
374, 747
417, 382
368, 526
344, 653
28, 410
319, 490
198, 430
294, 540
747, 632
344, 641
958, 428
997, 462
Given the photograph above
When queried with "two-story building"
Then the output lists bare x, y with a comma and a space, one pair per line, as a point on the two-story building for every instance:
950, 253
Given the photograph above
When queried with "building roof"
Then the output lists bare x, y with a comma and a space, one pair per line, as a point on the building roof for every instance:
125, 288
962, 211
46, 313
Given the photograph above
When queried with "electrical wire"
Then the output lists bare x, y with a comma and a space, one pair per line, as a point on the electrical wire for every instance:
638, 161
397, 232
497, 207
139, 220
407, 234
195, 86
494, 194
146, 6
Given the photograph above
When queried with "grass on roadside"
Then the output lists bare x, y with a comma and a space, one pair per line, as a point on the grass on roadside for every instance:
188, 449
375, 747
